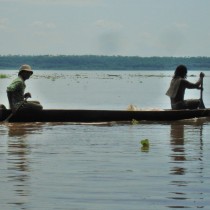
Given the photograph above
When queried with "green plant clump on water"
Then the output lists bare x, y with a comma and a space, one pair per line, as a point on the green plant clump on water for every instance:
145, 145
134, 122
145, 142
3, 76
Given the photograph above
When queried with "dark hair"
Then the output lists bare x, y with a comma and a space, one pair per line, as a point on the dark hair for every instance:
181, 71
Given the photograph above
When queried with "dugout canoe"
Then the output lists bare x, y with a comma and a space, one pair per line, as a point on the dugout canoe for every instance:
72, 115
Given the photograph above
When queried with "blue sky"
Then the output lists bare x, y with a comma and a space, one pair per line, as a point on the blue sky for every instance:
105, 27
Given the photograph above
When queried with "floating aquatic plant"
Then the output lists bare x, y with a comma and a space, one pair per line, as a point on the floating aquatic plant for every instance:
145, 142
145, 145
134, 122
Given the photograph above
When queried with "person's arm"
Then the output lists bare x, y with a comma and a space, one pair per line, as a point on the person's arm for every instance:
196, 85
9, 96
27, 95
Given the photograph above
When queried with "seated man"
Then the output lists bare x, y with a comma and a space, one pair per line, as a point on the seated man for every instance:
177, 88
15, 91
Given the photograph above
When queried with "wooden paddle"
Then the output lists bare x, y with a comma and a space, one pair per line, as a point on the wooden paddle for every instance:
14, 112
201, 106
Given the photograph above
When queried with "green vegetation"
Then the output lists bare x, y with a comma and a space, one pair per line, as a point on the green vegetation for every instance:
145, 145
134, 122
145, 142
3, 76
93, 62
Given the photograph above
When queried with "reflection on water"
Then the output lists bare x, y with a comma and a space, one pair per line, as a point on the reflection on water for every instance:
56, 166
177, 142
18, 167
23, 129
18, 161
185, 177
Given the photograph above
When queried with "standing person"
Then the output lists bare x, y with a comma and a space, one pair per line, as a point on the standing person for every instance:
177, 88
15, 91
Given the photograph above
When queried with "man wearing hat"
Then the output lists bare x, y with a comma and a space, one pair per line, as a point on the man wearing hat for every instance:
15, 91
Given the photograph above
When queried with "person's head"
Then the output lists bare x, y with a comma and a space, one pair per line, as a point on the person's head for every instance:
25, 71
181, 71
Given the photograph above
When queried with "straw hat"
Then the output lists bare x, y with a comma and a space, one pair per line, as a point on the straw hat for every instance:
25, 67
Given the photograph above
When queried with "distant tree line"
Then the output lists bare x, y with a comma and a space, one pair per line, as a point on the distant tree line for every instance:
94, 62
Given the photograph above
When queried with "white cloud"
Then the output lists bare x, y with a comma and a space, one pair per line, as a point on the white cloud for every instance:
3, 23
104, 24
111, 42
109, 36
76, 2
72, 2
43, 25
181, 26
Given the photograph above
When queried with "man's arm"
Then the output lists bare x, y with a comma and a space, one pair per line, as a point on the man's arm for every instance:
9, 96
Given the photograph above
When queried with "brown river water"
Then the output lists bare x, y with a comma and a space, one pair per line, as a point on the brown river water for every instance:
103, 166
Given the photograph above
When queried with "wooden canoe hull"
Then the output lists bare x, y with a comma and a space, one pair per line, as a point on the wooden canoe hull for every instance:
55, 115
